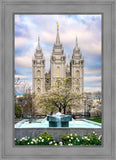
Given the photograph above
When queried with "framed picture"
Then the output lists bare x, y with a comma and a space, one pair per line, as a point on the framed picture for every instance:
44, 44
58, 88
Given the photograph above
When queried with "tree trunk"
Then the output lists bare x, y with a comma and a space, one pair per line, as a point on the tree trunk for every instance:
60, 110
64, 110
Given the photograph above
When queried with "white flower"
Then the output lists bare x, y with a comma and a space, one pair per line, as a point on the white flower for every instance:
71, 137
40, 137
69, 140
50, 142
15, 139
100, 137
93, 132
35, 140
85, 137
67, 136
31, 142
70, 144
28, 143
77, 139
42, 140
55, 144
71, 134
60, 143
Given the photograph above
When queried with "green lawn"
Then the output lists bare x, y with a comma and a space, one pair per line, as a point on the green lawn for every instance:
99, 120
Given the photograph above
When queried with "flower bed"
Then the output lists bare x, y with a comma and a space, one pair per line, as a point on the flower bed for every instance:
69, 139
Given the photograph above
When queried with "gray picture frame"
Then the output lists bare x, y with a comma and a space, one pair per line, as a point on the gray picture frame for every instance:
10, 7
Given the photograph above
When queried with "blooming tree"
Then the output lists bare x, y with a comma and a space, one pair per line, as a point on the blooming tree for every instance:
60, 98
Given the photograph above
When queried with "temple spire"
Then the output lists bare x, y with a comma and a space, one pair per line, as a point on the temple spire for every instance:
76, 41
57, 37
76, 47
38, 47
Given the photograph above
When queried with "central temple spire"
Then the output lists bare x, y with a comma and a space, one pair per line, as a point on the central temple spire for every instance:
76, 47
38, 47
57, 37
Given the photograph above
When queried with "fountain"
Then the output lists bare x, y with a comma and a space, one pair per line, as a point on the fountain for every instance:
59, 120
59, 123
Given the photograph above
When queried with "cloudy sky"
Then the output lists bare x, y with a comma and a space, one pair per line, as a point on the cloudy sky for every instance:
87, 28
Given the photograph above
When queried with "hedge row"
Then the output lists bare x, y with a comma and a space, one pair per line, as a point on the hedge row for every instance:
68, 139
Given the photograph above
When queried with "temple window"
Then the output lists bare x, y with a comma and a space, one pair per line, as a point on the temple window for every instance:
77, 74
58, 71
38, 73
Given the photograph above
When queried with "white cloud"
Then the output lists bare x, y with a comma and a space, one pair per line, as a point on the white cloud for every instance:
24, 61
92, 89
92, 71
45, 26
91, 47
21, 42
92, 78
20, 76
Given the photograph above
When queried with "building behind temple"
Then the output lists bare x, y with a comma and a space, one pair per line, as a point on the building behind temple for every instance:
43, 82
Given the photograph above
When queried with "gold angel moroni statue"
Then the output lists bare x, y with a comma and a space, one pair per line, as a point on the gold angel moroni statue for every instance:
57, 25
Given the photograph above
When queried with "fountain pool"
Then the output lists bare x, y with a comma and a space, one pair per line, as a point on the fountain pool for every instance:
38, 126
56, 125
43, 123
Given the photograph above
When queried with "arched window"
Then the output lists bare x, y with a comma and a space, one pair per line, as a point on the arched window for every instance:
77, 73
38, 73
58, 71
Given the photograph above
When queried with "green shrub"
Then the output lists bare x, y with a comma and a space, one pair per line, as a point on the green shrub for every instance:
89, 139
93, 139
48, 138
43, 139
23, 141
71, 139
68, 139
46, 135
